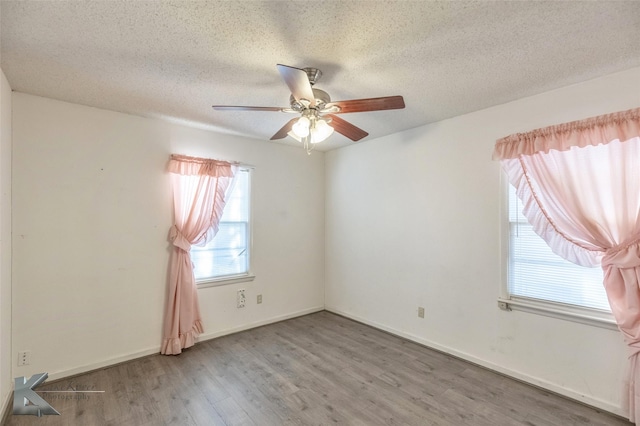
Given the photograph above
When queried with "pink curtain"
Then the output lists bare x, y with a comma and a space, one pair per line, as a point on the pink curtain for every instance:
580, 187
199, 187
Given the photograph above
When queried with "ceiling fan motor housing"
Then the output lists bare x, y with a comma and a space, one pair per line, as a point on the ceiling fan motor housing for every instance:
322, 98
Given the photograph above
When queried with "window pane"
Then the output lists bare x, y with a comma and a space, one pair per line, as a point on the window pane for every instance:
536, 272
228, 252
237, 207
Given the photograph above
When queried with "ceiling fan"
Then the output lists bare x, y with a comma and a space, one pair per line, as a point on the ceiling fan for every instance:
318, 118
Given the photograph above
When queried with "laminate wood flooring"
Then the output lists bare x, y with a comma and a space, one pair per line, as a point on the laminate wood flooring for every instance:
318, 369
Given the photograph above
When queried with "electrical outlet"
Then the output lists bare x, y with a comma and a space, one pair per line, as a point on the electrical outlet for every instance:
421, 312
241, 299
259, 299
24, 358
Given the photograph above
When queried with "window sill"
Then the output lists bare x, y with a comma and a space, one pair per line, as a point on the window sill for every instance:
216, 282
564, 312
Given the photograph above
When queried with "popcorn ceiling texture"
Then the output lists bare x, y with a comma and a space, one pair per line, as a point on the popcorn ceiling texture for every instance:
174, 59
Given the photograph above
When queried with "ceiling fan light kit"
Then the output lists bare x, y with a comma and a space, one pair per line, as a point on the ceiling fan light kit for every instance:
317, 120
310, 131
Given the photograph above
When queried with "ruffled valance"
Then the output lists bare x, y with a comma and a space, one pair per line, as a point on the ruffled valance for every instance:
622, 125
194, 166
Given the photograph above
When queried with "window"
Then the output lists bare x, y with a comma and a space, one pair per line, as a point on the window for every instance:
226, 258
537, 277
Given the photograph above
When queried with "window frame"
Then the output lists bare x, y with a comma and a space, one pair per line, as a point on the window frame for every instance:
249, 275
508, 302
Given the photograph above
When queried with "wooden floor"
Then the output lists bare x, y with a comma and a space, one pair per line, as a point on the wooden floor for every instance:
314, 370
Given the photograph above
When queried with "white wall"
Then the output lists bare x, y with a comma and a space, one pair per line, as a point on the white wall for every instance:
413, 219
6, 378
91, 214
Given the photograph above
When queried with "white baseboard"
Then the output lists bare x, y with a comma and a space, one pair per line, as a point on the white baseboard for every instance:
208, 336
57, 375
156, 349
553, 387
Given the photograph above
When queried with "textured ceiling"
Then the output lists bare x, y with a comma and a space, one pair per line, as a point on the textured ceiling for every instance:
174, 59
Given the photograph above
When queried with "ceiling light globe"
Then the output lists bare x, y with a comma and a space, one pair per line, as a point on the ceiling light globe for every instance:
321, 131
301, 128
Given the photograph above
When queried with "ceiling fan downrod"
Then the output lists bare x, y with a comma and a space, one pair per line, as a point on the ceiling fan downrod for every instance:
314, 74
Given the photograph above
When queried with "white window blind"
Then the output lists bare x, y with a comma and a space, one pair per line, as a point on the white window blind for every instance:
227, 255
535, 272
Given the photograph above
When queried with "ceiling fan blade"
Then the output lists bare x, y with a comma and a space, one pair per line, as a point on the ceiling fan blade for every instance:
298, 83
282, 133
371, 104
344, 127
244, 108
